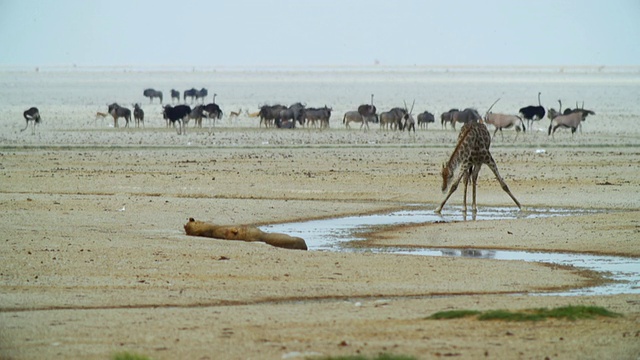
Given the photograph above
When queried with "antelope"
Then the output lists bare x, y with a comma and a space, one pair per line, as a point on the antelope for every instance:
571, 120
504, 121
409, 121
354, 116
99, 116
235, 113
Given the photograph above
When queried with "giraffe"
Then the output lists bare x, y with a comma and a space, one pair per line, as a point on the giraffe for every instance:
471, 152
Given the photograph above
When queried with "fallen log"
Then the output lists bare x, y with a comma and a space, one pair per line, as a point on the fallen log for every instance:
243, 233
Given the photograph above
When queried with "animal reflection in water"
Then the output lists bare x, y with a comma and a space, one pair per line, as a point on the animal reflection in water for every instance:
32, 115
471, 152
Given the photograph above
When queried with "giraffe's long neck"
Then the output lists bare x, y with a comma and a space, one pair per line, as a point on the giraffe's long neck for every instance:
456, 156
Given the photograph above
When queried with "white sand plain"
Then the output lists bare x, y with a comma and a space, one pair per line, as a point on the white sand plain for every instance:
95, 261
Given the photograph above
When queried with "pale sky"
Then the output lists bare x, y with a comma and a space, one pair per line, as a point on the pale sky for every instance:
249, 33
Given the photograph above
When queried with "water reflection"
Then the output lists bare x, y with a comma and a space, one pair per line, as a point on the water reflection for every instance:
337, 234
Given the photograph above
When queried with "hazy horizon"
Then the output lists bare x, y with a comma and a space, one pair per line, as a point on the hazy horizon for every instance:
329, 33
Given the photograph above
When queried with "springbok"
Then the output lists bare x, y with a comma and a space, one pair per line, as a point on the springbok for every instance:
32, 114
233, 115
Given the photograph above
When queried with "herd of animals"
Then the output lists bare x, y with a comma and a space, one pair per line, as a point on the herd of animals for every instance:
470, 154
281, 116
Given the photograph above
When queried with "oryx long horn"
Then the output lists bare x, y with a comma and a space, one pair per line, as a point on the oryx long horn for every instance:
491, 107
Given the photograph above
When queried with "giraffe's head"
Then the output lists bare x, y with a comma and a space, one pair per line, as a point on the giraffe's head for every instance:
447, 175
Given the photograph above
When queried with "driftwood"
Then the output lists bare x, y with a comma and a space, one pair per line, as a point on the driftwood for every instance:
244, 233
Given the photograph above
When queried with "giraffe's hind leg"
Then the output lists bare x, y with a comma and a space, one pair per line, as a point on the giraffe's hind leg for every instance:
494, 168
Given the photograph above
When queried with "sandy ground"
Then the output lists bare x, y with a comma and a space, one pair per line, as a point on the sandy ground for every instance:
94, 259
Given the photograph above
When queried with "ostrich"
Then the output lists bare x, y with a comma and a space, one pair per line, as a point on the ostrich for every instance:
533, 113
368, 111
32, 114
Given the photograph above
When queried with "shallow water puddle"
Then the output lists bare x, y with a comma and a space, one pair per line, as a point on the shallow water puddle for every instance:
335, 234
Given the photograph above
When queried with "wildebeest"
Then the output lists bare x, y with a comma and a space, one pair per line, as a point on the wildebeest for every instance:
424, 119
285, 124
392, 119
175, 94
177, 114
532, 113
447, 117
117, 111
138, 115
269, 113
32, 114
151, 93
322, 115
189, 93
195, 94
355, 116
292, 113
465, 116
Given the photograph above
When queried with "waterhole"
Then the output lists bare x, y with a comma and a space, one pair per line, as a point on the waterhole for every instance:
335, 235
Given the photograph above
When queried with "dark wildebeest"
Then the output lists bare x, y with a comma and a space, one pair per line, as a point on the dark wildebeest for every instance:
175, 94
138, 115
32, 114
268, 114
392, 119
322, 115
368, 111
286, 124
293, 113
179, 114
465, 116
532, 113
189, 93
151, 93
202, 94
446, 117
424, 119
117, 112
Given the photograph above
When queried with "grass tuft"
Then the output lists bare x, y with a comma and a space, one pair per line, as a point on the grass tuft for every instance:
362, 357
453, 314
129, 356
564, 312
